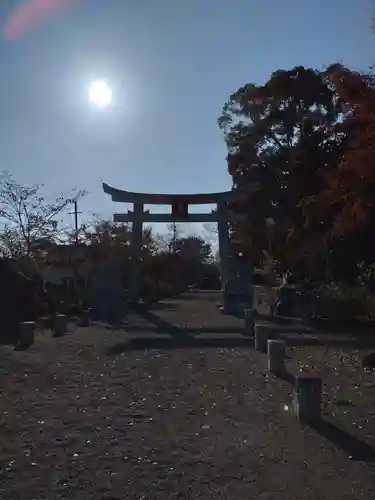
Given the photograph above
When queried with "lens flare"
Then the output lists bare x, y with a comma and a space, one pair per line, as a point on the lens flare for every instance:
30, 14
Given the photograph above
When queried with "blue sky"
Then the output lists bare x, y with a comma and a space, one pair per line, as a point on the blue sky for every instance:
172, 65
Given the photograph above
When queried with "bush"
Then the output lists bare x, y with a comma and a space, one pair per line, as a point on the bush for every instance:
340, 302
293, 301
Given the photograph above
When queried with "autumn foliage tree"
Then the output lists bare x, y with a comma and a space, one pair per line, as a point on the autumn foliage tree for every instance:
307, 139
350, 186
280, 136
346, 201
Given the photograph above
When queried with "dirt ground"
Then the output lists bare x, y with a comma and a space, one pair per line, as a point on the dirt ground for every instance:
181, 410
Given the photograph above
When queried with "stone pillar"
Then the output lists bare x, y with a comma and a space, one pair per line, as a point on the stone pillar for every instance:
135, 250
276, 356
223, 236
262, 334
60, 325
26, 334
249, 322
308, 398
85, 318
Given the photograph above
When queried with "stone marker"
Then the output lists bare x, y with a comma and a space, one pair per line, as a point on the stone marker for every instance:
308, 398
85, 318
276, 356
249, 322
60, 324
261, 334
26, 335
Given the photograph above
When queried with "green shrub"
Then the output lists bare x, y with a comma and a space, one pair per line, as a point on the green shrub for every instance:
337, 301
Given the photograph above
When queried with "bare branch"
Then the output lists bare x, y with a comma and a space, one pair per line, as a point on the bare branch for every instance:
25, 212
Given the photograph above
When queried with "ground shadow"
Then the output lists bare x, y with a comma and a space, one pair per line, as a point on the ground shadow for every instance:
136, 344
355, 448
22, 347
323, 326
281, 326
164, 326
287, 377
343, 326
6, 342
168, 328
162, 306
293, 331
281, 320
193, 294
161, 325
362, 342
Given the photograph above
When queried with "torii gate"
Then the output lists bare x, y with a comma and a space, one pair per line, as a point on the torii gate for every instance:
180, 213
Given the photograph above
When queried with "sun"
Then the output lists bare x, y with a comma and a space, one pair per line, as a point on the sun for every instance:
100, 94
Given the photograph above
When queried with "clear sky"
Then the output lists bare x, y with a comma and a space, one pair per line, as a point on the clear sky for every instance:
172, 65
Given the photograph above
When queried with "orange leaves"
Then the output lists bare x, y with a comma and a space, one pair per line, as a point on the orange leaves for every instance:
352, 216
307, 139
351, 184
353, 88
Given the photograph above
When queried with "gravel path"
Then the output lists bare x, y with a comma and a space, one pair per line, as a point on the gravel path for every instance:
93, 415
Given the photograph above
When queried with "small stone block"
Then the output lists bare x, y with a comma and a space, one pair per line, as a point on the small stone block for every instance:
60, 324
261, 335
27, 334
308, 398
249, 322
276, 356
85, 318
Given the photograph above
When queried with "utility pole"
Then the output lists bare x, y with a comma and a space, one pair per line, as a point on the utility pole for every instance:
75, 213
174, 237
74, 262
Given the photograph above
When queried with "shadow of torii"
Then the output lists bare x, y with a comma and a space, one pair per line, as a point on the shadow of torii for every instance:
141, 319
164, 326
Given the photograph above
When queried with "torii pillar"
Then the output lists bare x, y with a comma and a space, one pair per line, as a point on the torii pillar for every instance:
224, 241
135, 252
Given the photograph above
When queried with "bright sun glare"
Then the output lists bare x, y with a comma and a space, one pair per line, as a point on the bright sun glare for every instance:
100, 94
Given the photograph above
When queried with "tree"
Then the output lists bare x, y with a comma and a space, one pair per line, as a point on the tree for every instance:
346, 199
194, 248
162, 243
350, 186
173, 236
194, 254
110, 238
27, 215
106, 234
281, 137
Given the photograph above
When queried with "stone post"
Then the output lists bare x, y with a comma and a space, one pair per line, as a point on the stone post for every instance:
60, 325
135, 250
26, 334
224, 244
262, 334
249, 322
308, 398
276, 356
85, 318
